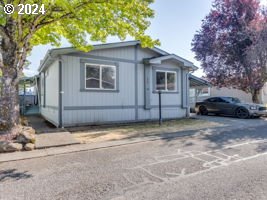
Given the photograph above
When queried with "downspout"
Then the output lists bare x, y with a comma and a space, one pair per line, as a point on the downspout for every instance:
24, 94
187, 92
136, 81
44, 90
37, 90
60, 110
187, 96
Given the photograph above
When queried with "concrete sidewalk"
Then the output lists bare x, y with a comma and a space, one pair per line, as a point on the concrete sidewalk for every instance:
57, 139
7, 157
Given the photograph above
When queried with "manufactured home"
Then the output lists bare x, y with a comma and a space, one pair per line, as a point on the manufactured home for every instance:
113, 83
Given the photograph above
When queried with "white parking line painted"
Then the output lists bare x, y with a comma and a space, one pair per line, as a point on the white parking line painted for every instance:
225, 160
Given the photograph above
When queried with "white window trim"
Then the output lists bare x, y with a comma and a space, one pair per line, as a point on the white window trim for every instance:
100, 76
205, 95
166, 81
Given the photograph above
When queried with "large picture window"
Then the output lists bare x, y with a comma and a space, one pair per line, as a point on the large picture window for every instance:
100, 77
166, 81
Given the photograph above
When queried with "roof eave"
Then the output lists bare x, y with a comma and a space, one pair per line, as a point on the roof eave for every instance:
200, 80
52, 54
186, 63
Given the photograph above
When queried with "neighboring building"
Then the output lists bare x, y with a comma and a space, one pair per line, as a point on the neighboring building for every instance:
263, 94
204, 92
28, 95
116, 82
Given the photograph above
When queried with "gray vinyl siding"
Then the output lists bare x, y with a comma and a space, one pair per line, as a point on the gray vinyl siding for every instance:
74, 97
146, 53
49, 107
121, 53
94, 107
75, 100
167, 113
100, 116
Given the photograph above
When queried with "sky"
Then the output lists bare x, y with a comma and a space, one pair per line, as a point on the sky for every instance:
174, 24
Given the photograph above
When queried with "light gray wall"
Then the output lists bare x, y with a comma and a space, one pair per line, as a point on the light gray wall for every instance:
79, 107
264, 94
126, 104
74, 97
171, 98
171, 102
121, 53
215, 92
243, 96
50, 91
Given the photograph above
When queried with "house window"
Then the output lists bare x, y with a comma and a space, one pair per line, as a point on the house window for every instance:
204, 92
100, 77
166, 81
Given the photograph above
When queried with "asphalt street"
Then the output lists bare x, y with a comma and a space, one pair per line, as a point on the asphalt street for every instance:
209, 164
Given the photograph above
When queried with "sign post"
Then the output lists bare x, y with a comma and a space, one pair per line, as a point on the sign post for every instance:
160, 116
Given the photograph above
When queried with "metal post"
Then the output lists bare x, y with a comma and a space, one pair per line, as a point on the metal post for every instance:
160, 117
24, 93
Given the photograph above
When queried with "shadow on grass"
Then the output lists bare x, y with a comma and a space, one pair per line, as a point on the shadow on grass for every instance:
13, 174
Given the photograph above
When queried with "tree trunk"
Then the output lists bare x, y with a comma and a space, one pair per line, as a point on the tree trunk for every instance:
256, 96
13, 52
9, 99
9, 115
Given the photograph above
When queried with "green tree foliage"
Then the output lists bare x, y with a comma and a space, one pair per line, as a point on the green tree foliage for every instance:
76, 20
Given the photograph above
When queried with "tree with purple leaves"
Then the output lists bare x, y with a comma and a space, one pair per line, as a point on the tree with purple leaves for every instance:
232, 45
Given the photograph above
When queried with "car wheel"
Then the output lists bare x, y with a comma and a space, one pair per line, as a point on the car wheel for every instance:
242, 113
203, 110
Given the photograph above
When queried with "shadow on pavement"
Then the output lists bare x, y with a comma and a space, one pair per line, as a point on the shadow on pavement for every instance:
216, 137
13, 174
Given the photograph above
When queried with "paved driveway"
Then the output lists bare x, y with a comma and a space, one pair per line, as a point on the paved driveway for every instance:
233, 122
223, 163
